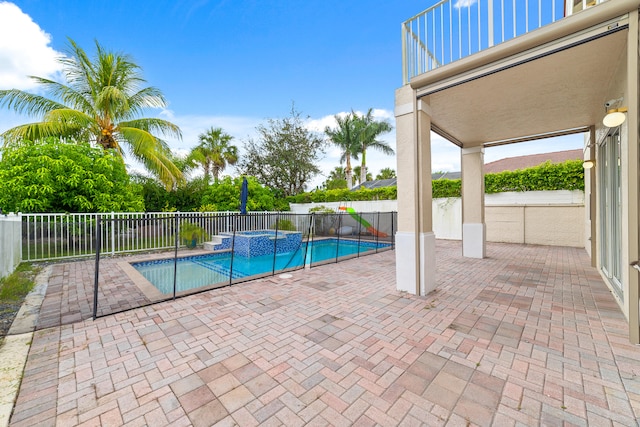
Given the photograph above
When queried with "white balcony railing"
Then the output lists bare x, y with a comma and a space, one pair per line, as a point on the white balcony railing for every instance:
453, 29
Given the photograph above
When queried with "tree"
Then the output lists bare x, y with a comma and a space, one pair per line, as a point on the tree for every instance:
386, 173
335, 179
53, 176
284, 156
368, 130
186, 198
358, 172
214, 152
101, 103
345, 136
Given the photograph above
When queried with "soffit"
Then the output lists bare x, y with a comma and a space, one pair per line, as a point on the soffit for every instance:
562, 90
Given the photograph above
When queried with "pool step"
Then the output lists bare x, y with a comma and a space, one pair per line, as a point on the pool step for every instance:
218, 243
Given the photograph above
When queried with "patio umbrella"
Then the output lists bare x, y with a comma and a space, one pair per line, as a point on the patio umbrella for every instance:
244, 194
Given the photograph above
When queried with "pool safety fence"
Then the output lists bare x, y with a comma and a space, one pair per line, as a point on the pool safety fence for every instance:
196, 252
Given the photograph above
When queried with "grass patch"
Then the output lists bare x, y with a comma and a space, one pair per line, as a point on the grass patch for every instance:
18, 284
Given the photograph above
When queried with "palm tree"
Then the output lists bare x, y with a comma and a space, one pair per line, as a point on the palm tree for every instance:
214, 152
386, 173
358, 171
368, 130
101, 102
345, 136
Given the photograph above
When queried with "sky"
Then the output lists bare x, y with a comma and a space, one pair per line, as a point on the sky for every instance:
236, 64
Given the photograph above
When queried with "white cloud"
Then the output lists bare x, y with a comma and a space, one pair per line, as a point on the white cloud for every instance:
24, 50
464, 3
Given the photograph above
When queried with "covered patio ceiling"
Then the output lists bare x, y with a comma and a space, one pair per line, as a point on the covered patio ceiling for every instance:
562, 88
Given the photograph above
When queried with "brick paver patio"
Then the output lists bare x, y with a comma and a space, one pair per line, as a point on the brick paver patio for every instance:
528, 336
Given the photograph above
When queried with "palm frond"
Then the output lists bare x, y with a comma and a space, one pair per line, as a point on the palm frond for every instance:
111, 102
154, 126
147, 150
148, 97
27, 103
37, 131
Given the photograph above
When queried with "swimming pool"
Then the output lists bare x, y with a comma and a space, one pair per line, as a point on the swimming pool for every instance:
211, 269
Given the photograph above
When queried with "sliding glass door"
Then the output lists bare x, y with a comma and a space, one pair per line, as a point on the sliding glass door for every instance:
609, 171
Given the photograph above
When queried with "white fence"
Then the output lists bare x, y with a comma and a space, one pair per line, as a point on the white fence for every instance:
57, 236
10, 250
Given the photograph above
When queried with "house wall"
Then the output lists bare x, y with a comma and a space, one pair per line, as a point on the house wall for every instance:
10, 243
619, 87
536, 217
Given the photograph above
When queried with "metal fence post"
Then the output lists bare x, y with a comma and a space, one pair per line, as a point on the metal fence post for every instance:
175, 257
233, 250
275, 246
393, 234
97, 268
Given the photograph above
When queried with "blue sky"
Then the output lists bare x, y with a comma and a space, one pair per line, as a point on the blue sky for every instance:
234, 64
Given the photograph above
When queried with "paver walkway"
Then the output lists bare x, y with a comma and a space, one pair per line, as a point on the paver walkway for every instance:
528, 336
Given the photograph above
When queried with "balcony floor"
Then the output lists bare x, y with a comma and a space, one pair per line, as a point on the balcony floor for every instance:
528, 336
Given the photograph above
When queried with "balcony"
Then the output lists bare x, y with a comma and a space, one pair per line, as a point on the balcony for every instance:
454, 29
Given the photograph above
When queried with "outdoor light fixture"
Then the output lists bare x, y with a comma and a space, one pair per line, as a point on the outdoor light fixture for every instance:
588, 164
615, 116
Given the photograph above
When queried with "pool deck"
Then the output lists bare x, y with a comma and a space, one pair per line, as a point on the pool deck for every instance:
528, 336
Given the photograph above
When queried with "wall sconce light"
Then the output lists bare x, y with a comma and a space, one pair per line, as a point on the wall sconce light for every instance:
588, 164
615, 116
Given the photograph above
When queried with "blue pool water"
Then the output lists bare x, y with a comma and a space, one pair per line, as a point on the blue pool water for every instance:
205, 270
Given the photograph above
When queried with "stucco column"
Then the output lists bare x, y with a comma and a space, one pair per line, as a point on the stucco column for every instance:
415, 240
473, 225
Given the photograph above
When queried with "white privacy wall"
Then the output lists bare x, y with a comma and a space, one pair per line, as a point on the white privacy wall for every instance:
553, 218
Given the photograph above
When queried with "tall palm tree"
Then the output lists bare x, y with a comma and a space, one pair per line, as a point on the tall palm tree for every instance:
368, 131
101, 102
358, 172
214, 152
345, 136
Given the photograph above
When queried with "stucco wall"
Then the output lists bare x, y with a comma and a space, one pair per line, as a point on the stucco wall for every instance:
553, 225
553, 218
10, 243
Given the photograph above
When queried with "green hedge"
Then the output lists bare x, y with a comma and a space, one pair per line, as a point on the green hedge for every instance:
559, 176
546, 177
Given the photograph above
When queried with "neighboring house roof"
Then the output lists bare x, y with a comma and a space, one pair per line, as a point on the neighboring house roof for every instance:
376, 184
522, 162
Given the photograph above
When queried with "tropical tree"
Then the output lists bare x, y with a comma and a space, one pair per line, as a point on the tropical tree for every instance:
224, 195
345, 136
102, 103
358, 174
386, 173
368, 130
335, 179
53, 176
214, 152
284, 156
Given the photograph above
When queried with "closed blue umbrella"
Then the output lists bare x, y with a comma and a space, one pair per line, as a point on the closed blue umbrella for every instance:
244, 195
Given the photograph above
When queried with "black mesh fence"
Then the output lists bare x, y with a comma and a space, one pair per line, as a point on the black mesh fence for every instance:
209, 251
